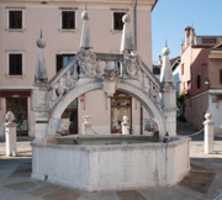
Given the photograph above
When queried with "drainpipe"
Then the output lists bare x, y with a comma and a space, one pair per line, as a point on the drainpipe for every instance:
135, 23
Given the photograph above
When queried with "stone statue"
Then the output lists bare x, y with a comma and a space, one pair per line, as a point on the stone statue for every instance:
86, 125
9, 117
69, 80
87, 63
131, 62
100, 70
61, 87
125, 125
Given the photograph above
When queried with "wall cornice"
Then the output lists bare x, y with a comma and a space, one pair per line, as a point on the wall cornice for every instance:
151, 3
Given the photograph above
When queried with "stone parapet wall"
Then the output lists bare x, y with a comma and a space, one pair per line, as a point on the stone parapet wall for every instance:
114, 166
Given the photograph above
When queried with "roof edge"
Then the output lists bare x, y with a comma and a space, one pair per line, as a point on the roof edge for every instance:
154, 5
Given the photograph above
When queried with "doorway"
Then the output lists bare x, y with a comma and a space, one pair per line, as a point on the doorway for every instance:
70, 118
121, 105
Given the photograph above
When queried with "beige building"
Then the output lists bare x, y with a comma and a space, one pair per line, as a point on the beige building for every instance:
60, 21
201, 77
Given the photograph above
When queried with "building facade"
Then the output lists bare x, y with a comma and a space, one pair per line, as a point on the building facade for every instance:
201, 77
21, 22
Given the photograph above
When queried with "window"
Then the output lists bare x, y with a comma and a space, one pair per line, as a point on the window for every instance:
220, 74
15, 64
198, 81
62, 60
117, 20
15, 19
68, 19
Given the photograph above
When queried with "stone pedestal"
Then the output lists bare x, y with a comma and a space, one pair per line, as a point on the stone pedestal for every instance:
10, 139
40, 108
208, 134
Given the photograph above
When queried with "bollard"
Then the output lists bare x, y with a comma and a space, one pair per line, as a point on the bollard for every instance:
10, 139
208, 134
10, 134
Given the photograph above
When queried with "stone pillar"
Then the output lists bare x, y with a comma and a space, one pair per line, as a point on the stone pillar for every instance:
208, 134
10, 139
40, 104
40, 108
168, 94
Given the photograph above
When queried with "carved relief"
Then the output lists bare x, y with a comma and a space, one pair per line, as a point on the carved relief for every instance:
87, 63
131, 65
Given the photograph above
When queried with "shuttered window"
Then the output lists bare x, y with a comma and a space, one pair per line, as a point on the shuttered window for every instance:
68, 19
117, 20
15, 64
15, 19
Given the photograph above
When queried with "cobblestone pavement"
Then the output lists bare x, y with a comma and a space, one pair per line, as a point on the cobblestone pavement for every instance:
203, 183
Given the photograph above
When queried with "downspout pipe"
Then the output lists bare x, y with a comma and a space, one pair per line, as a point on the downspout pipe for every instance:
135, 23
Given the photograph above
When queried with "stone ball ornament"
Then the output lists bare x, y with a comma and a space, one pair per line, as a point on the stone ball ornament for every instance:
126, 19
85, 15
166, 51
208, 116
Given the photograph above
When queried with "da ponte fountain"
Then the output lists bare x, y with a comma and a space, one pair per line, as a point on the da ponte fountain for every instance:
97, 162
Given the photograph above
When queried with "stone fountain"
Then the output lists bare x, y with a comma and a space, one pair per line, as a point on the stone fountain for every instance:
93, 162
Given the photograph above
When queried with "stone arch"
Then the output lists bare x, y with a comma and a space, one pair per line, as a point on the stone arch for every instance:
91, 85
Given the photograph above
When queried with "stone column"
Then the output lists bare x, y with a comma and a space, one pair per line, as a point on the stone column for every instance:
10, 139
168, 94
40, 108
40, 104
208, 134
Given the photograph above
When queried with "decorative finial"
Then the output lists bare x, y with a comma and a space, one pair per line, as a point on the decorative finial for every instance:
85, 34
127, 40
166, 71
40, 41
41, 72
166, 50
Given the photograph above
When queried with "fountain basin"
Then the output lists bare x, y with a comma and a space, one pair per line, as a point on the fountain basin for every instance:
112, 166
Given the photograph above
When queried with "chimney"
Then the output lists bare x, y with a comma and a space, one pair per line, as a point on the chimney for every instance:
189, 36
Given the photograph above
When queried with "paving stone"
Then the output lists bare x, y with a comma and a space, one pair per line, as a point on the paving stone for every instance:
199, 180
130, 195
23, 186
62, 194
163, 193
44, 189
98, 196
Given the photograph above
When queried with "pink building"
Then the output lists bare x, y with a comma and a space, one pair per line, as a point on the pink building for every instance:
201, 77
60, 20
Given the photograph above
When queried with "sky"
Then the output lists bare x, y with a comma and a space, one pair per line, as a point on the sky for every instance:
170, 17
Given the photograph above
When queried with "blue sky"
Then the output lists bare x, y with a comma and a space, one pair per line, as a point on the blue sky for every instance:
170, 17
